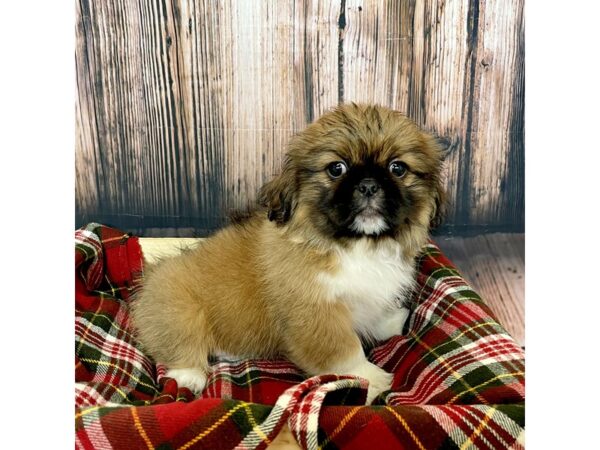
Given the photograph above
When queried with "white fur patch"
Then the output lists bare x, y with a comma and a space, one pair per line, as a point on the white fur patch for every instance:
370, 279
391, 324
379, 380
369, 224
193, 378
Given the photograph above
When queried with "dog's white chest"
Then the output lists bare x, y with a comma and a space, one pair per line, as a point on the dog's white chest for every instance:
370, 280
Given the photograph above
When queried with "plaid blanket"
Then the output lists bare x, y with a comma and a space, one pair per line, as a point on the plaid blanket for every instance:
458, 376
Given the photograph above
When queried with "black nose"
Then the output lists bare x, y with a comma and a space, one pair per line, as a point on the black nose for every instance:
368, 187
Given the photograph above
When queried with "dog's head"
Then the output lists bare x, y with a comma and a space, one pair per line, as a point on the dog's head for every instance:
359, 171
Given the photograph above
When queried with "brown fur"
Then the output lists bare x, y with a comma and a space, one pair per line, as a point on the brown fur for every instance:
253, 288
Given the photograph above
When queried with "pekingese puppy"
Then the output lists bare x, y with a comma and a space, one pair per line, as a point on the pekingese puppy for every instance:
329, 261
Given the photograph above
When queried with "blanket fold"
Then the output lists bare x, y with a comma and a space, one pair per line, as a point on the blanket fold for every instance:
458, 376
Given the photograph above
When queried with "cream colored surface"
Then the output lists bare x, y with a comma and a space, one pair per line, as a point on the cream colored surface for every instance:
155, 248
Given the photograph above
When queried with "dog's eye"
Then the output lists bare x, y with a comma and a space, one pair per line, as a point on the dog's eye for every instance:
337, 169
398, 168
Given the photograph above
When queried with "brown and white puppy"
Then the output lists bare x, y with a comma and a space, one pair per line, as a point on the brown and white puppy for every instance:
329, 261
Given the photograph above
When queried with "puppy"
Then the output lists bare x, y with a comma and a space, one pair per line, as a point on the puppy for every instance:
329, 259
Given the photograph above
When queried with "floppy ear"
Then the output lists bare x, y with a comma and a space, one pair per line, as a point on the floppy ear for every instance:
445, 146
279, 195
439, 197
440, 148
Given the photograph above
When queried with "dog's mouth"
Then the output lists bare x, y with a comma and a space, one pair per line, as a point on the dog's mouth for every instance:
369, 220
369, 211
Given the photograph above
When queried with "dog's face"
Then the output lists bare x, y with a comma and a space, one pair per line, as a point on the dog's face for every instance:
359, 171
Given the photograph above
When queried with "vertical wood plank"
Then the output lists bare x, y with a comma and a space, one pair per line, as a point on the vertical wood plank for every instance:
137, 66
497, 159
441, 102
281, 72
378, 52
87, 185
200, 31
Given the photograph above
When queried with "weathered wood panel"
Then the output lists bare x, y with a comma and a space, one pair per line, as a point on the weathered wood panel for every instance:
184, 107
280, 66
497, 190
457, 69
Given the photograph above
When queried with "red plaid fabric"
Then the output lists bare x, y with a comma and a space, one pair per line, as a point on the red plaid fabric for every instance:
458, 376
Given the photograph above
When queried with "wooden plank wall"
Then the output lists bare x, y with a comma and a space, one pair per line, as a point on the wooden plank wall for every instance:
184, 107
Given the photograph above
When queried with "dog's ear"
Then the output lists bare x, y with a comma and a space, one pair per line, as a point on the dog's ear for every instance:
440, 203
439, 148
445, 146
279, 195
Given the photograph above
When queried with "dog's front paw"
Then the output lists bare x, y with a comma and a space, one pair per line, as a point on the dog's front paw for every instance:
378, 383
379, 380
193, 378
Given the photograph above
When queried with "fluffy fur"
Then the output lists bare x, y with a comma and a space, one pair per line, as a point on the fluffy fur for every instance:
328, 261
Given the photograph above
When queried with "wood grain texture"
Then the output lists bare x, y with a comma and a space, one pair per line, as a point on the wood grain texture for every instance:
457, 69
184, 107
